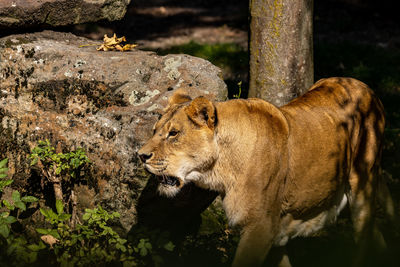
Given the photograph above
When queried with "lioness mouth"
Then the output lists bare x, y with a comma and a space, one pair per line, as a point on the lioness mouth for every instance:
169, 180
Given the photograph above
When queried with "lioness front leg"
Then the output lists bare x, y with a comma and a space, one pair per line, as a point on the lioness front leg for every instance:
254, 245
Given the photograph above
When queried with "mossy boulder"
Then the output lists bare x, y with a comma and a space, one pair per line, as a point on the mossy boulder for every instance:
104, 102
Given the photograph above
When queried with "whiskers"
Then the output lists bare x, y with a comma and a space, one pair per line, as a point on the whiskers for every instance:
157, 166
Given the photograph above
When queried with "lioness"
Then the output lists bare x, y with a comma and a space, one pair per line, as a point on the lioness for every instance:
282, 172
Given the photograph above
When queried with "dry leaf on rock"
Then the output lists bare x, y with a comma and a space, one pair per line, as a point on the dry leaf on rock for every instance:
114, 43
128, 47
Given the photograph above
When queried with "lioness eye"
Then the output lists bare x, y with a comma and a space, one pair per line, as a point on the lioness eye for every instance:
172, 133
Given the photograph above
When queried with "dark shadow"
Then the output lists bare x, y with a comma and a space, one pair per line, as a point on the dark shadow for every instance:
179, 216
150, 19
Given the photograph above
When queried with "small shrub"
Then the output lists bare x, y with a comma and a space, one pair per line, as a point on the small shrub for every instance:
92, 242
14, 247
62, 170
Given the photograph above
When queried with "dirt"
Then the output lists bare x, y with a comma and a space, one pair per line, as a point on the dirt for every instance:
160, 24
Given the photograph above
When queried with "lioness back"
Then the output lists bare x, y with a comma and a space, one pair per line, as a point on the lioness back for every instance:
327, 123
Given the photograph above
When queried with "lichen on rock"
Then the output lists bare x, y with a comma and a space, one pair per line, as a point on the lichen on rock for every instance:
106, 104
171, 67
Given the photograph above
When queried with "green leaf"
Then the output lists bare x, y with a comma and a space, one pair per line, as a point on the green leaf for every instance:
16, 196
64, 217
120, 247
36, 247
59, 206
3, 170
41, 245
21, 205
10, 219
148, 246
8, 205
86, 216
54, 233
122, 241
4, 230
52, 214
3, 163
143, 252
141, 243
29, 199
43, 231
6, 182
45, 212
169, 246
34, 160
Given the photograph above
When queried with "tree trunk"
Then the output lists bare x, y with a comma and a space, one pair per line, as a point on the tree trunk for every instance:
281, 49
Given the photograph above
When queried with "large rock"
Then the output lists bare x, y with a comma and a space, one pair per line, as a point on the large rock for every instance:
105, 102
17, 13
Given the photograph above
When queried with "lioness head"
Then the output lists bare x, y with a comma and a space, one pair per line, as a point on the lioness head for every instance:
182, 148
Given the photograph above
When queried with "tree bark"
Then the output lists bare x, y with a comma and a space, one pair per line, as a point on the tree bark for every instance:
281, 49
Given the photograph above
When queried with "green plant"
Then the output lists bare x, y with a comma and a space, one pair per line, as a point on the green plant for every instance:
239, 89
65, 164
60, 169
17, 204
64, 242
20, 252
58, 219
94, 241
12, 243
3, 174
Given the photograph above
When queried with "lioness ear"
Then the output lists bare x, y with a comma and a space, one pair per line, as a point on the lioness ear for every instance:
180, 96
202, 112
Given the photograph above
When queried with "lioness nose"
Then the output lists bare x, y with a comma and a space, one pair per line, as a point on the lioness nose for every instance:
144, 157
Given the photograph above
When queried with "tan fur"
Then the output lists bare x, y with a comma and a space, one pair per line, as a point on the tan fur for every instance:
282, 172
